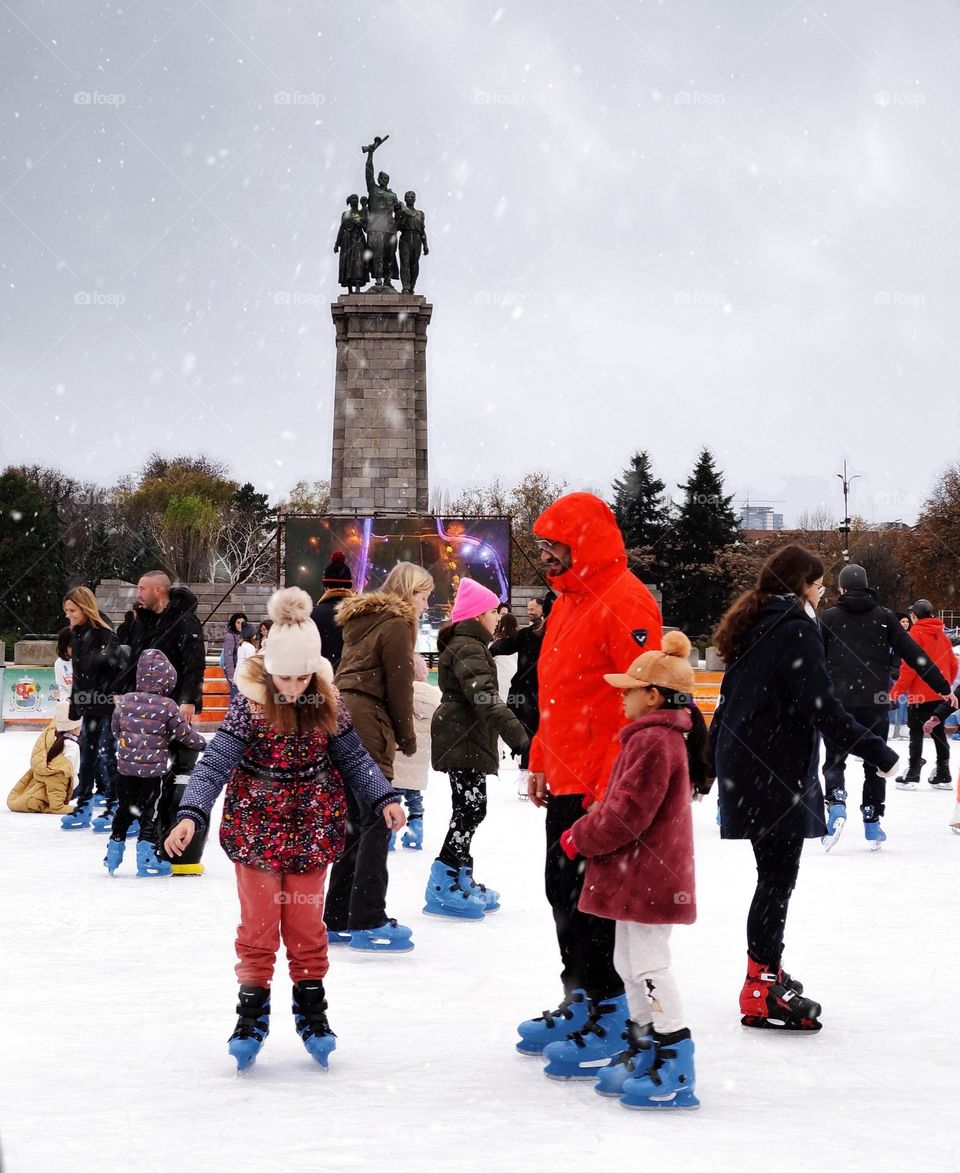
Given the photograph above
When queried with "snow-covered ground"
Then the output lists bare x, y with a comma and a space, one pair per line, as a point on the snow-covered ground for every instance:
119, 997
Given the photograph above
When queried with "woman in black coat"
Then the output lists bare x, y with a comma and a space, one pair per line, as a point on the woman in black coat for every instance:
98, 669
523, 700
775, 697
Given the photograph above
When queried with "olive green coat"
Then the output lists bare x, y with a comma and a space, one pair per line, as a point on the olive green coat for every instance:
375, 676
471, 717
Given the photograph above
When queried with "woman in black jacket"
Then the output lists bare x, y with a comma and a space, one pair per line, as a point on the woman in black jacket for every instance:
775, 697
98, 667
523, 699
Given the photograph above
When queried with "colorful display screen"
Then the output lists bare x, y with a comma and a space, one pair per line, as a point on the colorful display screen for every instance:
448, 548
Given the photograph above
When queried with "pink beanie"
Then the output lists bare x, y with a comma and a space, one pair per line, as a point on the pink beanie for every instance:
472, 600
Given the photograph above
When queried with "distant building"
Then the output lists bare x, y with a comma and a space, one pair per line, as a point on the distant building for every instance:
760, 517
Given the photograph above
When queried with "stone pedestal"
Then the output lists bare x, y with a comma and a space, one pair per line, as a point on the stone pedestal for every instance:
380, 405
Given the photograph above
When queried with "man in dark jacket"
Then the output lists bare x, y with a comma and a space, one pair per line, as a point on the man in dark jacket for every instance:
337, 585
167, 620
864, 642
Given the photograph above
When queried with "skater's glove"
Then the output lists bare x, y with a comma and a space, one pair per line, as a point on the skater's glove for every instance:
929, 725
567, 845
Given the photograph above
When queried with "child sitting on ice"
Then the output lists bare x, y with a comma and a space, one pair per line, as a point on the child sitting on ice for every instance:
45, 788
639, 845
145, 724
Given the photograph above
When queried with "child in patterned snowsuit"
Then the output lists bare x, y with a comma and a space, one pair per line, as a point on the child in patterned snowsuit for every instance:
285, 751
145, 724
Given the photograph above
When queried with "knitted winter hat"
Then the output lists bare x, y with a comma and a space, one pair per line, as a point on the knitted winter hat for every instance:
472, 600
248, 631
338, 573
668, 668
923, 609
852, 578
65, 723
293, 646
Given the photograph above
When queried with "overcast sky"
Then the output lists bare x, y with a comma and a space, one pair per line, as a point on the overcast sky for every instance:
660, 225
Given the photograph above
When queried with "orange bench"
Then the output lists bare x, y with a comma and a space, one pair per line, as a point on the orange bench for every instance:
706, 692
216, 696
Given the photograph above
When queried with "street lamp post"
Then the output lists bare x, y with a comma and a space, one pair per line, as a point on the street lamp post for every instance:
844, 527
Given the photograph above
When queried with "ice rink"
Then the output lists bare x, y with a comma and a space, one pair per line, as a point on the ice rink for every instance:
120, 994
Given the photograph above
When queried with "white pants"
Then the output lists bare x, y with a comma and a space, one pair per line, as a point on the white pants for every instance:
641, 956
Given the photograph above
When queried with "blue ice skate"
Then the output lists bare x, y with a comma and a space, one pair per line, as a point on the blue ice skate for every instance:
114, 857
836, 820
874, 835
445, 897
133, 830
338, 937
670, 1082
147, 862
629, 1064
597, 1042
392, 845
413, 835
489, 896
310, 1016
388, 938
253, 1025
80, 816
553, 1025
103, 823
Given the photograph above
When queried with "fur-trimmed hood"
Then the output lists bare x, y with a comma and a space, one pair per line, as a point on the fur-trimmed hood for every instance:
247, 678
374, 608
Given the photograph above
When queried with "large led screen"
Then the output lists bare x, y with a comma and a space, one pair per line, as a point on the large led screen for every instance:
449, 548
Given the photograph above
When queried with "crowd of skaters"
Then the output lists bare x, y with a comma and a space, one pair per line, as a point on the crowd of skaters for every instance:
333, 724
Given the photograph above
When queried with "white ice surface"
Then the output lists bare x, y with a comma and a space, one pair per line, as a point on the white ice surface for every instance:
119, 996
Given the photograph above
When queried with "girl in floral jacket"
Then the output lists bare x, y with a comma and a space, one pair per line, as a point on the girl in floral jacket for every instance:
285, 751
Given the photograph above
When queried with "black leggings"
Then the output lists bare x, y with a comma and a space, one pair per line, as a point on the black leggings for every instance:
778, 862
136, 799
468, 794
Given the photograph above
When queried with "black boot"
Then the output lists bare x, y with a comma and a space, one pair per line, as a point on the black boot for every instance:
911, 779
310, 1016
253, 1025
940, 778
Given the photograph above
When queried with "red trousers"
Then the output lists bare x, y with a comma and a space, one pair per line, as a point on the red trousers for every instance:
277, 904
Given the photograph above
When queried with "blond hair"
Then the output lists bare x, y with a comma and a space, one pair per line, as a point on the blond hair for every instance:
406, 579
84, 598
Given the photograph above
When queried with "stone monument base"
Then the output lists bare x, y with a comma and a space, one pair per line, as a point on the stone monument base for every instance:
380, 406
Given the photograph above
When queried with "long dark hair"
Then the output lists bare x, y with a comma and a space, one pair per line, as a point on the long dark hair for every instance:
231, 622
507, 627
698, 739
56, 747
64, 644
787, 572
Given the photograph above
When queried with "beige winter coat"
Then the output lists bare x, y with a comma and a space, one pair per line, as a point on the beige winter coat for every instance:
412, 773
45, 789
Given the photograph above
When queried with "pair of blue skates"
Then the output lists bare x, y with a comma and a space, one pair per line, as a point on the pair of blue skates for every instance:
583, 1039
454, 893
390, 937
82, 816
147, 862
309, 1016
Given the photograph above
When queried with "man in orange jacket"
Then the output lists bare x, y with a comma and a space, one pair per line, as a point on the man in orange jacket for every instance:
922, 701
602, 619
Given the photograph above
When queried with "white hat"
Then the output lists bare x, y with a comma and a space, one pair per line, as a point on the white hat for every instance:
292, 647
65, 723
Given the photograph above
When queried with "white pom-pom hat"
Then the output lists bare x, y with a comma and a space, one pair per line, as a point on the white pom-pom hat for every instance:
292, 647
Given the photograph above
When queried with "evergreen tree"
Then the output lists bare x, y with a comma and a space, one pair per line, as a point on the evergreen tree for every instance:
31, 554
697, 589
642, 514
